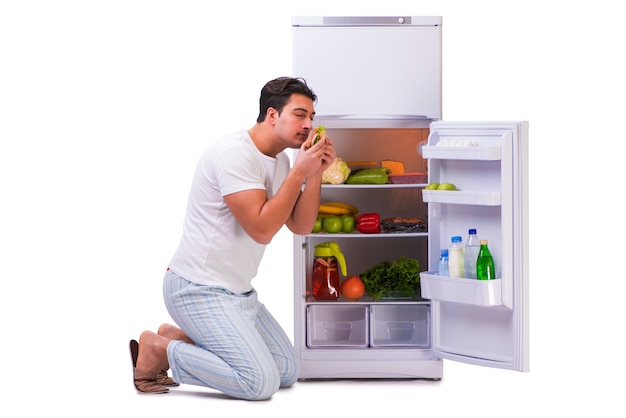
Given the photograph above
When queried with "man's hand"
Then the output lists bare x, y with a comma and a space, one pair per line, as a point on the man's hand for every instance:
315, 159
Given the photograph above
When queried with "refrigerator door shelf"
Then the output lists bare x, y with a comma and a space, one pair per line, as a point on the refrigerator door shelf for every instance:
462, 153
461, 290
460, 197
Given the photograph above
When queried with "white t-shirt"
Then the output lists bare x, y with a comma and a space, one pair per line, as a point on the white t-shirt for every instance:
214, 249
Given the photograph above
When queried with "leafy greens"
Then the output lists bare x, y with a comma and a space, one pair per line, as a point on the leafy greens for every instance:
402, 276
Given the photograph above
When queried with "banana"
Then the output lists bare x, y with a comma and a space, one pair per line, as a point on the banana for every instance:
333, 210
345, 205
331, 207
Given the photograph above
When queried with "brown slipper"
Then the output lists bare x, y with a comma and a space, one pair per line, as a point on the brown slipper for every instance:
144, 381
163, 379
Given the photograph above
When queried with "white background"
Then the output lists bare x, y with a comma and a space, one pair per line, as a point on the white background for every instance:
105, 107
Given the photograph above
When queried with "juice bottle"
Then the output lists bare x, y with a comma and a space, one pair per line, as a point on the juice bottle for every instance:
325, 277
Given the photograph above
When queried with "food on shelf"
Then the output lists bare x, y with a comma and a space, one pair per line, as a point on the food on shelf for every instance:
356, 166
457, 143
401, 224
332, 224
349, 223
336, 173
398, 279
446, 186
337, 208
395, 167
408, 178
441, 186
379, 175
317, 227
352, 287
368, 223
342, 218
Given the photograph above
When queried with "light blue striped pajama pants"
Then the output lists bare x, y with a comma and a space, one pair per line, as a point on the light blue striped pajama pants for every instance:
241, 350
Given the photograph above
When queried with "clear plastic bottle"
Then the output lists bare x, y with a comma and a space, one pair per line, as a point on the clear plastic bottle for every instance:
443, 263
485, 269
472, 247
455, 257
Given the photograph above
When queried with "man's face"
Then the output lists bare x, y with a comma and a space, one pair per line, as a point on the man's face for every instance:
295, 122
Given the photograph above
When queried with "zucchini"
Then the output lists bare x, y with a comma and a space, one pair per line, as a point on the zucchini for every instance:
378, 175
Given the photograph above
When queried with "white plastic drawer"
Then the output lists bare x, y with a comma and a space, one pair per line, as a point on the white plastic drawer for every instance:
337, 326
400, 325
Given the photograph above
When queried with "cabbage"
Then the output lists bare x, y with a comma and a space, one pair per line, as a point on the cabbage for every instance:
336, 173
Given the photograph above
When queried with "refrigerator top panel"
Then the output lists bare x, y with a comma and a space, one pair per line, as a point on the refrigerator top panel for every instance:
371, 67
366, 21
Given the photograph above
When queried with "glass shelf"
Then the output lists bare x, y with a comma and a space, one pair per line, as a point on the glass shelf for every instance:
358, 235
375, 186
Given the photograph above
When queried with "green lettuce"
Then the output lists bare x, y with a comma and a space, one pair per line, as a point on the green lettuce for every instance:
402, 277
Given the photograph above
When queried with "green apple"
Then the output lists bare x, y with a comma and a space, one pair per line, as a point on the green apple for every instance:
318, 225
348, 223
446, 186
432, 186
332, 224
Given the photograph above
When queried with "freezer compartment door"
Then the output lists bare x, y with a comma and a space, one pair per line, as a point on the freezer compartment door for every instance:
371, 67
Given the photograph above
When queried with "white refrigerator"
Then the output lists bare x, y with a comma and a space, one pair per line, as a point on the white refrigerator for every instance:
379, 94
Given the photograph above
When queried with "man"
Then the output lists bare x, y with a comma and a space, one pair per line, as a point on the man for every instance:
243, 192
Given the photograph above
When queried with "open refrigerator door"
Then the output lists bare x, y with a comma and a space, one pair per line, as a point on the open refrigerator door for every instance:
483, 322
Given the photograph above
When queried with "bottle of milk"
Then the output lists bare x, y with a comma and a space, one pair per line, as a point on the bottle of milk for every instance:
456, 254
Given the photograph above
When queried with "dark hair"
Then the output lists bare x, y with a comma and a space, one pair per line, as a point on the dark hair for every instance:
276, 94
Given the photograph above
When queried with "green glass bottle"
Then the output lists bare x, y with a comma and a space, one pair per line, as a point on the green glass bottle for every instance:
485, 269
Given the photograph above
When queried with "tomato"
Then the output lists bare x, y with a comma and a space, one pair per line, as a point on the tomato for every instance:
352, 287
332, 224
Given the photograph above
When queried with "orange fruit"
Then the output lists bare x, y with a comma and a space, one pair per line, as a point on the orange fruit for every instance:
352, 287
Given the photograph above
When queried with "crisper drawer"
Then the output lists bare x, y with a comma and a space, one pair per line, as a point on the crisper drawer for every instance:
399, 325
337, 326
